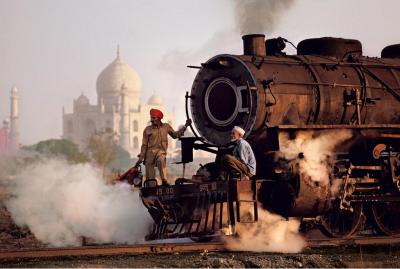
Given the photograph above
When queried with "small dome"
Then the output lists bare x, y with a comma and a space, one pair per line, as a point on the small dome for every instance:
115, 75
155, 100
82, 100
14, 90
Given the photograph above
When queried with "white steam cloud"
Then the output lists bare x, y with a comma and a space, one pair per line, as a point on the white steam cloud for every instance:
272, 233
259, 16
60, 203
318, 151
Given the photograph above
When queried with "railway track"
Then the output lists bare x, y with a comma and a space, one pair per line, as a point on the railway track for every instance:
112, 250
171, 248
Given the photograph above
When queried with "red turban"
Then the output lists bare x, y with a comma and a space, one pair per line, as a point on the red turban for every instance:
156, 113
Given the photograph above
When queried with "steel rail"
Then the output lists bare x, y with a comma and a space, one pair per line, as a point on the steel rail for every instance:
357, 240
174, 247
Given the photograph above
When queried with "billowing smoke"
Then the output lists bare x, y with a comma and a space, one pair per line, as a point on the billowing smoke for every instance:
272, 233
251, 16
317, 150
60, 203
176, 60
259, 16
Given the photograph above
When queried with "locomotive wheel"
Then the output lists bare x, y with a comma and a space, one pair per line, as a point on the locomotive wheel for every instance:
342, 223
387, 217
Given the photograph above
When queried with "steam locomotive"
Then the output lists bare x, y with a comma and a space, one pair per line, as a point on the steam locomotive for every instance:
328, 86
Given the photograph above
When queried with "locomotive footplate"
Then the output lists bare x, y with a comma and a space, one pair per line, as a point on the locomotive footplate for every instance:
374, 198
199, 210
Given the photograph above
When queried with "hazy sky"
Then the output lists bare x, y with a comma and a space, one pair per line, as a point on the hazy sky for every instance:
53, 50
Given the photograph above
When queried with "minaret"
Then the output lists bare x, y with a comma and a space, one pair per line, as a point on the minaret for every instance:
4, 142
14, 118
6, 124
124, 123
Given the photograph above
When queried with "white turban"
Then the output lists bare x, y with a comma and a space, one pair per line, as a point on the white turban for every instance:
239, 130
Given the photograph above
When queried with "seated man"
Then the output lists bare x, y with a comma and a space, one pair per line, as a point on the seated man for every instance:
242, 159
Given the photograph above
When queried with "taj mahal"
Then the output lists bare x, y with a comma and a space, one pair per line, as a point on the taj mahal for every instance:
118, 109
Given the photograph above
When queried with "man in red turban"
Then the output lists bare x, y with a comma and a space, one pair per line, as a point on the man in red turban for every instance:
156, 113
155, 143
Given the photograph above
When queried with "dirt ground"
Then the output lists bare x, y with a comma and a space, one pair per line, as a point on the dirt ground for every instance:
13, 237
388, 256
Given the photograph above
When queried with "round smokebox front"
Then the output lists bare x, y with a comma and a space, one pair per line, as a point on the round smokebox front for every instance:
222, 101
223, 96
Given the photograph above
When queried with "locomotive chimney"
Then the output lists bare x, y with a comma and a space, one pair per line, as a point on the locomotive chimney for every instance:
254, 44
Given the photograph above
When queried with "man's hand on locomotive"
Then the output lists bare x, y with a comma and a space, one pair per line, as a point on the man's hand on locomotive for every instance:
139, 162
188, 123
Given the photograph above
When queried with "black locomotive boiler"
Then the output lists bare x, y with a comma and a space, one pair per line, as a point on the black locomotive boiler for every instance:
328, 86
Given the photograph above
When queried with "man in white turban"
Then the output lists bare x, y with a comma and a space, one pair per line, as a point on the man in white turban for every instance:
242, 159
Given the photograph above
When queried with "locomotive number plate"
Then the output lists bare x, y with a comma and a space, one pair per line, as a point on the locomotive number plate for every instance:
165, 191
208, 187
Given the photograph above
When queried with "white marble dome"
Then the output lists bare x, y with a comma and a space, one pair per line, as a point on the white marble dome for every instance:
115, 75
155, 100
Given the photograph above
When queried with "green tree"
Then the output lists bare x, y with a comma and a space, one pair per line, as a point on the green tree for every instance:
122, 161
59, 147
102, 149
